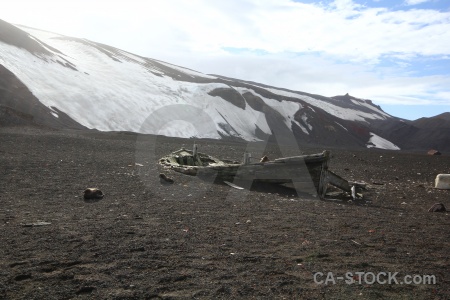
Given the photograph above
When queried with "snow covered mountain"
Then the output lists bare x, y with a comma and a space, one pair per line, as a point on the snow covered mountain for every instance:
60, 81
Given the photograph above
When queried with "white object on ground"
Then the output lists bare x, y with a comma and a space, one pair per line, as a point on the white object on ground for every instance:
233, 185
443, 181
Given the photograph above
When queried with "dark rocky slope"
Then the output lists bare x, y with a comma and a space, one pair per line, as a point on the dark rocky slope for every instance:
18, 106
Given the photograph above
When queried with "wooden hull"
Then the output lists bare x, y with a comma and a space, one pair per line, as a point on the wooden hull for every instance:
305, 169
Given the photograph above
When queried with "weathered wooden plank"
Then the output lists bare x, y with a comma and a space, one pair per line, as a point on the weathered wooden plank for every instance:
323, 183
337, 181
305, 158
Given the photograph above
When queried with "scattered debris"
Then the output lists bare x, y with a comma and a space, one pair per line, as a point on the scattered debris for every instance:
438, 207
442, 181
377, 183
264, 159
434, 152
233, 185
164, 179
39, 223
93, 193
138, 249
138, 165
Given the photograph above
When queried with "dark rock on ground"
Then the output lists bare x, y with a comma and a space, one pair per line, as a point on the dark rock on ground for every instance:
438, 207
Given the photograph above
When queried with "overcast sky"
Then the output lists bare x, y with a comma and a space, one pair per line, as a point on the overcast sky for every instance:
395, 52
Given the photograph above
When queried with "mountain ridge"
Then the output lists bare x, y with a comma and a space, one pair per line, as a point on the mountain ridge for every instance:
85, 84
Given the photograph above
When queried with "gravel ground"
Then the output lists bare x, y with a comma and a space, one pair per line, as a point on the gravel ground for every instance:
196, 239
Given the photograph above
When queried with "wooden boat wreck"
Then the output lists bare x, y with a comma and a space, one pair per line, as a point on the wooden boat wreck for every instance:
297, 169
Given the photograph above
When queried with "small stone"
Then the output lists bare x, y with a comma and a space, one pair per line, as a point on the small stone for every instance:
438, 207
85, 290
22, 277
93, 193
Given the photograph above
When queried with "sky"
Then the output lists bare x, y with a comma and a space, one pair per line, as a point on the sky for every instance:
394, 52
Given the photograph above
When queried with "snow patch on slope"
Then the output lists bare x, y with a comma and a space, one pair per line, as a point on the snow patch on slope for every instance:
189, 72
287, 109
342, 126
364, 103
112, 95
340, 112
376, 141
305, 121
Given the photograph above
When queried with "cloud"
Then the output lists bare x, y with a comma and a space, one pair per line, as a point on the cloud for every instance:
332, 50
342, 28
415, 2
319, 47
